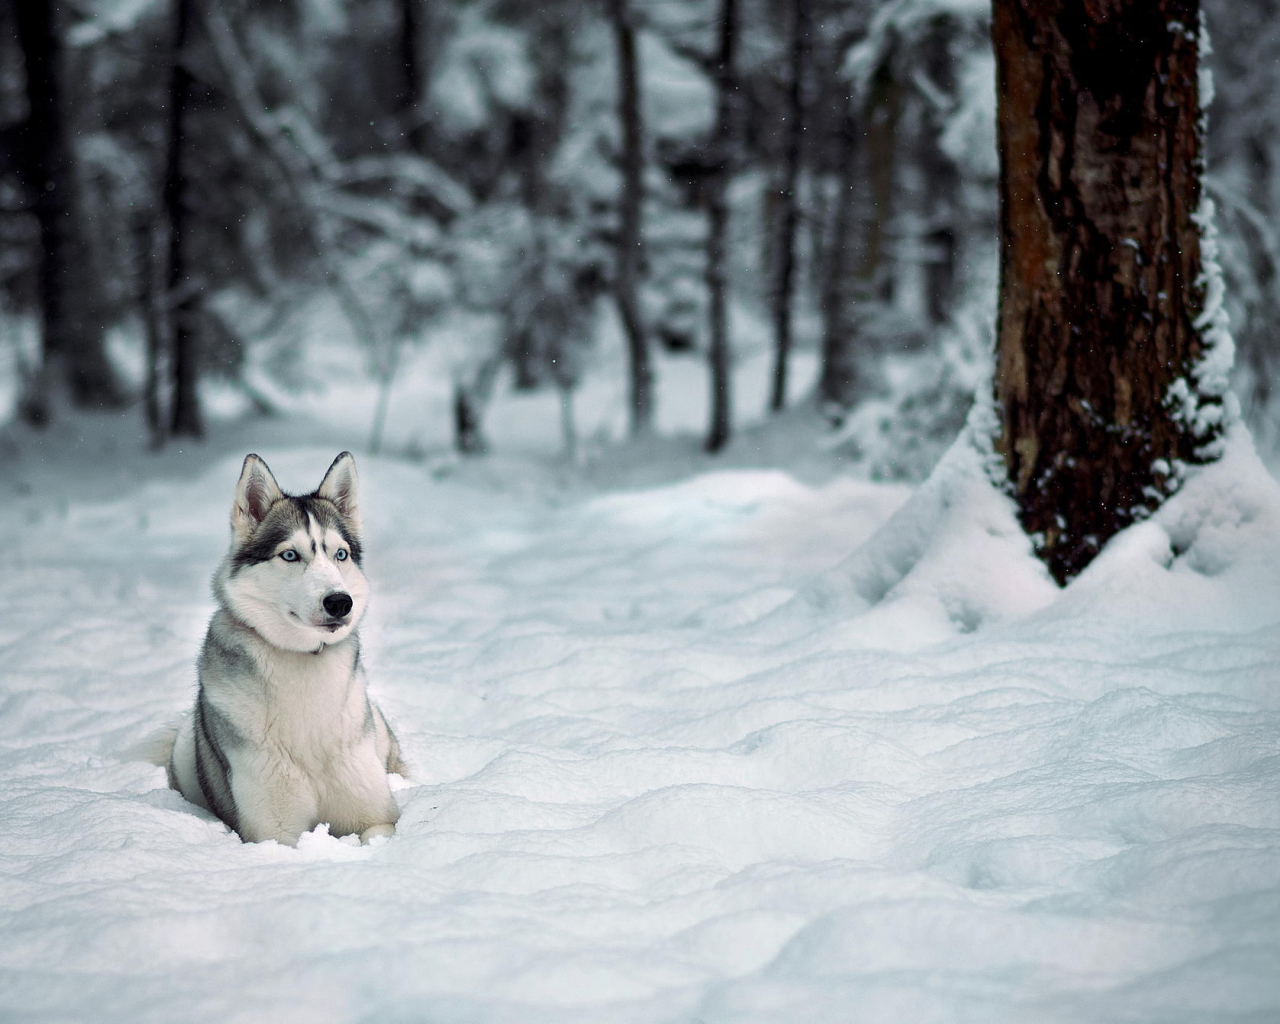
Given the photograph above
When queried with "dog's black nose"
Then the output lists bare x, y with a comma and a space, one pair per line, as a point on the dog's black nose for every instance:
337, 604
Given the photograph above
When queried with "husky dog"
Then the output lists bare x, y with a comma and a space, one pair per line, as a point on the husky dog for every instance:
283, 735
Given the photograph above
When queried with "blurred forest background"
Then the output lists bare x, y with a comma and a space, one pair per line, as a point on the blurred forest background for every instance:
429, 205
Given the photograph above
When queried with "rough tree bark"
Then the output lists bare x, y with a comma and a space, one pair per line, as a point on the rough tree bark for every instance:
1103, 316
70, 307
183, 298
784, 283
719, 355
630, 255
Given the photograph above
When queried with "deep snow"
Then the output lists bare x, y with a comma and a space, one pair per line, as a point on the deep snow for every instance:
731, 749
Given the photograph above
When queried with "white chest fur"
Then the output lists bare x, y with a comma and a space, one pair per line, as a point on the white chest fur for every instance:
310, 707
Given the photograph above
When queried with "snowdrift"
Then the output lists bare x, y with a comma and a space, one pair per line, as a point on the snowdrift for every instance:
735, 749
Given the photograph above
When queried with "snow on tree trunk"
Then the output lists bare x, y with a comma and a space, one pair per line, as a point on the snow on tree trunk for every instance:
630, 207
1112, 348
70, 303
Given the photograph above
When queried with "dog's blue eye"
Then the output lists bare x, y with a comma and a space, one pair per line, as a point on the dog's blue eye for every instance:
290, 555
341, 556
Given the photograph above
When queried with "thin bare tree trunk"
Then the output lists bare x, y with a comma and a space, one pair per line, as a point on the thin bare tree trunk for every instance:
941, 198
719, 353
1103, 316
880, 116
469, 401
630, 255
568, 425
151, 304
784, 284
73, 343
412, 39
839, 381
468, 437
851, 302
183, 304
386, 378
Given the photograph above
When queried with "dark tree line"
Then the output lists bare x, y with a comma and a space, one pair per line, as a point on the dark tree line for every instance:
273, 150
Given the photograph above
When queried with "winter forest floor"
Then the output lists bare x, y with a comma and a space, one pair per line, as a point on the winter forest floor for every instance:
688, 744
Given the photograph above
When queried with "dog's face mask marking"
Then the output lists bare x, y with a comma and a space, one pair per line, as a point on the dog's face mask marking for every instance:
293, 573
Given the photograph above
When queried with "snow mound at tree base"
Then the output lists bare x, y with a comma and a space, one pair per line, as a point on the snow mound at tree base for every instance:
677, 756
1207, 557
954, 559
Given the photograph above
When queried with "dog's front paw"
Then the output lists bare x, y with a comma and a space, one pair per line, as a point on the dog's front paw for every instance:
375, 831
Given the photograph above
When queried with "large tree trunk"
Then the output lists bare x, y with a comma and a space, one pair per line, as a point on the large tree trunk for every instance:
1103, 315
70, 306
630, 209
183, 303
719, 354
784, 283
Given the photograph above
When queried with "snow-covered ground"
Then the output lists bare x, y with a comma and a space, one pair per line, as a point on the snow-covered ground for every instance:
734, 748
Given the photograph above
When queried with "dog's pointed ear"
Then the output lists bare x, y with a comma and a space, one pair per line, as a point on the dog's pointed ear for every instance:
340, 485
256, 492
